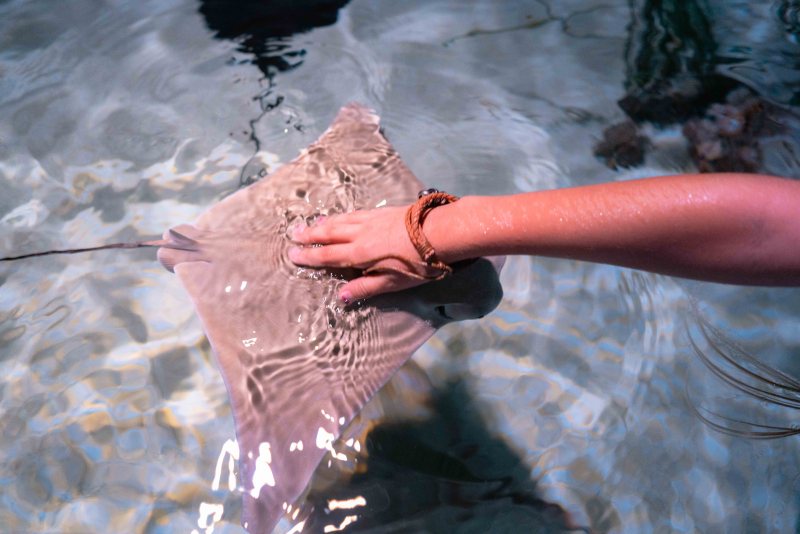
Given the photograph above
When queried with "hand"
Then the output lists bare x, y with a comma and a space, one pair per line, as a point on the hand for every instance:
362, 240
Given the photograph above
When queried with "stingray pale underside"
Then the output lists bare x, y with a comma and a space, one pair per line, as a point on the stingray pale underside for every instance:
297, 366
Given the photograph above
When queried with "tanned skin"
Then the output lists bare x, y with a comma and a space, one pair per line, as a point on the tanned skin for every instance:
728, 228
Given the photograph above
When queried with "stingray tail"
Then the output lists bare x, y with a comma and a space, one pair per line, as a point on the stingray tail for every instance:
178, 241
137, 244
177, 248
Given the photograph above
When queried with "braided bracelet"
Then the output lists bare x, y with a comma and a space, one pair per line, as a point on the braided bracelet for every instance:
415, 217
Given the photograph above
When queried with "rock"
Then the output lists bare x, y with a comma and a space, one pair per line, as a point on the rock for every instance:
622, 146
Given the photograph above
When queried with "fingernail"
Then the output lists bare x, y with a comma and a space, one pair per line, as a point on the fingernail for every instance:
346, 297
293, 252
320, 219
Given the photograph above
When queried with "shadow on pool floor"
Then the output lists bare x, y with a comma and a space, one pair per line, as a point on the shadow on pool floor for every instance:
446, 473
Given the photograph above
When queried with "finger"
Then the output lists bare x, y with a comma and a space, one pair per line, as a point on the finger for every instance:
354, 216
324, 234
351, 217
372, 285
328, 256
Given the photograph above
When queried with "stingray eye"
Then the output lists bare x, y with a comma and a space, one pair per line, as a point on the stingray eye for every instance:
442, 312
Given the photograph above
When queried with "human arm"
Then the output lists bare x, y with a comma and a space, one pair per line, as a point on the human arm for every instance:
730, 228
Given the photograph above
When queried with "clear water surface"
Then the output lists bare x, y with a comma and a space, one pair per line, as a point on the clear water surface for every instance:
119, 119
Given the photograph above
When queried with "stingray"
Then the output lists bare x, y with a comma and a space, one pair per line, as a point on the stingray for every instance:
297, 364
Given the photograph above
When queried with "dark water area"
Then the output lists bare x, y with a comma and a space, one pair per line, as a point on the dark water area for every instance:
444, 470
266, 33
265, 29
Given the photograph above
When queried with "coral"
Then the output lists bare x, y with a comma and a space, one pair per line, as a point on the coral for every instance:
727, 138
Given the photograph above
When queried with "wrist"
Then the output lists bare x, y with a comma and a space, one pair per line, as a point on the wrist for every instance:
449, 230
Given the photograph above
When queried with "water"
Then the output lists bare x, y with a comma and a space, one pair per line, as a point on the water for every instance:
121, 119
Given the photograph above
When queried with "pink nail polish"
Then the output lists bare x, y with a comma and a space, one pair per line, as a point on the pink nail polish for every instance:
346, 297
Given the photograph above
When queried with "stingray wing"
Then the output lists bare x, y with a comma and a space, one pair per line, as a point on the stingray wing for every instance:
298, 367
